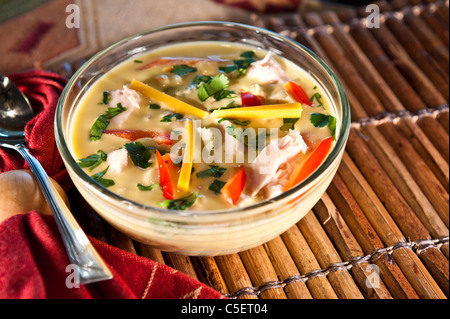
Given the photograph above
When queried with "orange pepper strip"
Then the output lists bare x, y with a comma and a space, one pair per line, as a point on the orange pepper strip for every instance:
233, 189
312, 162
297, 92
164, 177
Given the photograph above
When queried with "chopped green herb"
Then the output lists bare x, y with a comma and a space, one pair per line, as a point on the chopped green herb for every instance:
216, 186
317, 96
154, 107
138, 61
229, 106
289, 124
201, 78
170, 117
148, 188
102, 121
106, 97
140, 154
217, 88
182, 69
236, 122
214, 171
102, 181
181, 203
241, 65
93, 161
322, 120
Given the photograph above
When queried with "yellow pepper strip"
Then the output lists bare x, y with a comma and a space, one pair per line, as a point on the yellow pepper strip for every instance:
279, 111
174, 103
186, 168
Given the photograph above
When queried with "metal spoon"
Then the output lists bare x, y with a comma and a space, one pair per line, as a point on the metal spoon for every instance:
15, 113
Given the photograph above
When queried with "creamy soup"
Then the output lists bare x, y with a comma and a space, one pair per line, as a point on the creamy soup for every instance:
203, 126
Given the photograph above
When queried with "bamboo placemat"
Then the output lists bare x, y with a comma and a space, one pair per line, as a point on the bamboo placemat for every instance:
387, 210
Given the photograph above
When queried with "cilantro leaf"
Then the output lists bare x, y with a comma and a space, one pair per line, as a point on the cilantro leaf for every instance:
170, 117
214, 171
241, 65
289, 124
93, 161
216, 87
148, 188
181, 203
322, 120
102, 181
102, 121
216, 186
154, 107
106, 97
317, 96
182, 69
201, 78
140, 154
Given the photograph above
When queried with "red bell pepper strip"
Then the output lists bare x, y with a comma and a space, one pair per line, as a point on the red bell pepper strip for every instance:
312, 162
233, 189
249, 99
297, 93
164, 177
133, 135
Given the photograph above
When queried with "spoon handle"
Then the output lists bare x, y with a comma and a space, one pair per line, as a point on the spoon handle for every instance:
87, 263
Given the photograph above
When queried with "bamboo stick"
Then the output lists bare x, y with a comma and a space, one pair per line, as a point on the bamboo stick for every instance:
365, 67
429, 184
208, 272
386, 68
416, 77
437, 24
413, 269
319, 286
235, 275
436, 133
261, 271
442, 11
347, 71
404, 181
119, 240
285, 268
152, 253
341, 280
443, 118
392, 276
418, 54
429, 40
181, 263
427, 151
348, 247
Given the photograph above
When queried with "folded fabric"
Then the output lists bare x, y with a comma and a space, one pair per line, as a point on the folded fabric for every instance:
33, 261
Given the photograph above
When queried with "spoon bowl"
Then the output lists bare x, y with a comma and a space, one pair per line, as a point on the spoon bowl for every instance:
15, 113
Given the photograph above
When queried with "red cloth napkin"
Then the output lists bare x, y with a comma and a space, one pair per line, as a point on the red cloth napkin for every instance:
33, 261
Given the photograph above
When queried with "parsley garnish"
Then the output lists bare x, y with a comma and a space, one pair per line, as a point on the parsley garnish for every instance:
201, 78
322, 120
154, 107
241, 65
180, 204
138, 61
93, 161
102, 121
317, 96
148, 188
214, 171
216, 186
289, 124
215, 87
182, 69
140, 154
102, 181
170, 117
106, 97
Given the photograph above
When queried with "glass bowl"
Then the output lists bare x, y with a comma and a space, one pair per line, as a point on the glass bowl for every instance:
203, 233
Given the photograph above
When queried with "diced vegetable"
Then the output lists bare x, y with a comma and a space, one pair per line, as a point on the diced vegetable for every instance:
133, 135
174, 103
297, 93
233, 189
312, 162
165, 179
186, 168
249, 99
293, 110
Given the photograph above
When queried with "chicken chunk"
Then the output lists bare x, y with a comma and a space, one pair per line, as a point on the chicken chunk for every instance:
117, 161
267, 71
129, 99
271, 169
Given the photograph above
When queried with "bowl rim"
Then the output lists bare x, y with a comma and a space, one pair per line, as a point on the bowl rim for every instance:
339, 144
